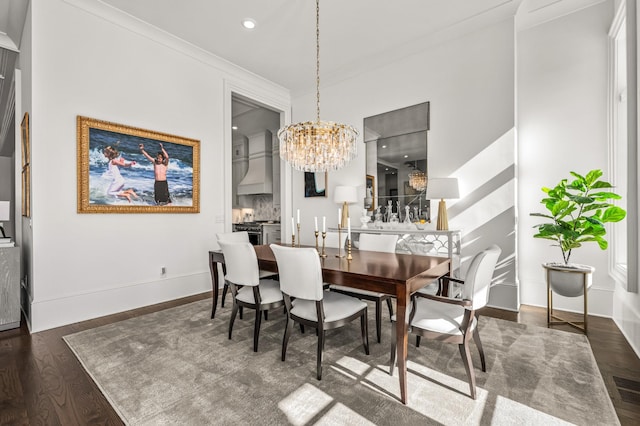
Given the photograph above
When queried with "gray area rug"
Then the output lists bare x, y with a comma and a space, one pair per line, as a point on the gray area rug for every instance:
177, 367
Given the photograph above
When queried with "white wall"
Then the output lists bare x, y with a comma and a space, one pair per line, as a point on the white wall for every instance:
90, 60
470, 83
562, 127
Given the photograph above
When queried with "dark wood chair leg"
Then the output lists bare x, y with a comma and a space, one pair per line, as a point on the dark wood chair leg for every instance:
417, 341
234, 311
226, 285
241, 312
285, 340
301, 328
364, 327
378, 320
256, 329
390, 306
476, 338
224, 294
392, 357
320, 350
468, 366
266, 315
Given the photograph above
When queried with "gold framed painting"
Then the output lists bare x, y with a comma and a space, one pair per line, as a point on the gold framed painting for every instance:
26, 166
124, 169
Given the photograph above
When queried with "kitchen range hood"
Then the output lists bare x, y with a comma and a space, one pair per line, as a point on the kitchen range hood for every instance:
259, 177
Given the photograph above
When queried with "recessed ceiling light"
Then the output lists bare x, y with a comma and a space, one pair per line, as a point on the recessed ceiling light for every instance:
406, 156
384, 146
386, 169
248, 23
234, 127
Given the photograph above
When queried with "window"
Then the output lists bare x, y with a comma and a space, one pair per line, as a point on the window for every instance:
618, 143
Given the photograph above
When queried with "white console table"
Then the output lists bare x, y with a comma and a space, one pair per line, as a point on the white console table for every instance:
426, 242
9, 288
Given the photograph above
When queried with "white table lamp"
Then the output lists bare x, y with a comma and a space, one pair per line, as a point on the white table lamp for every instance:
442, 188
5, 214
345, 195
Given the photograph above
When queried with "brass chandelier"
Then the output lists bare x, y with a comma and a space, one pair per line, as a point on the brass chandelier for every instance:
318, 146
418, 180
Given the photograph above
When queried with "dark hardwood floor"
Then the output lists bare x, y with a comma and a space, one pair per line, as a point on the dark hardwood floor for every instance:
42, 383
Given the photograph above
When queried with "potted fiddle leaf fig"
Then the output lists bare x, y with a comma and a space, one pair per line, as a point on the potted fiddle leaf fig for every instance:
577, 213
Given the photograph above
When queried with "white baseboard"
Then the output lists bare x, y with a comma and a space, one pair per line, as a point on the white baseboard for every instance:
67, 310
600, 300
627, 319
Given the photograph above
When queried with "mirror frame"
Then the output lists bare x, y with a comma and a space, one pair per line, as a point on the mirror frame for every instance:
400, 126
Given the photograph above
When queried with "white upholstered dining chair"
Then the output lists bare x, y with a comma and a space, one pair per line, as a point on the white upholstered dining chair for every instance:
373, 242
237, 237
455, 320
308, 304
247, 288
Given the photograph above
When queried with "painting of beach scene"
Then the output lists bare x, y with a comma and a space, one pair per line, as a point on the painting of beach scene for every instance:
124, 169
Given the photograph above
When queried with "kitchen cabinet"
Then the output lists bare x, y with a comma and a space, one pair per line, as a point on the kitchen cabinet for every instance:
239, 167
9, 288
271, 233
276, 170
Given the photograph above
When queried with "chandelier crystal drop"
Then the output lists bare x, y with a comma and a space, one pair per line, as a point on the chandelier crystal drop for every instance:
418, 180
318, 146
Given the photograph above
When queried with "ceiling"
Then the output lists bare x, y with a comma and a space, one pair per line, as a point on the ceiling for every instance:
355, 35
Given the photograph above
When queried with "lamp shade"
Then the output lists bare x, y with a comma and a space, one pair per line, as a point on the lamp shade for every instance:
5, 210
345, 194
442, 188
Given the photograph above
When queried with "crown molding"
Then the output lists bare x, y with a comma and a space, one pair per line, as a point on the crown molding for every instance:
124, 20
537, 12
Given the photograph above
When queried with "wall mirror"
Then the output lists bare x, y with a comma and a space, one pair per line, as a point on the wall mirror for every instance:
396, 147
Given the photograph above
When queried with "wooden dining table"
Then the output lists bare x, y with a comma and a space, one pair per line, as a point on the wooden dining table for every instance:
391, 273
